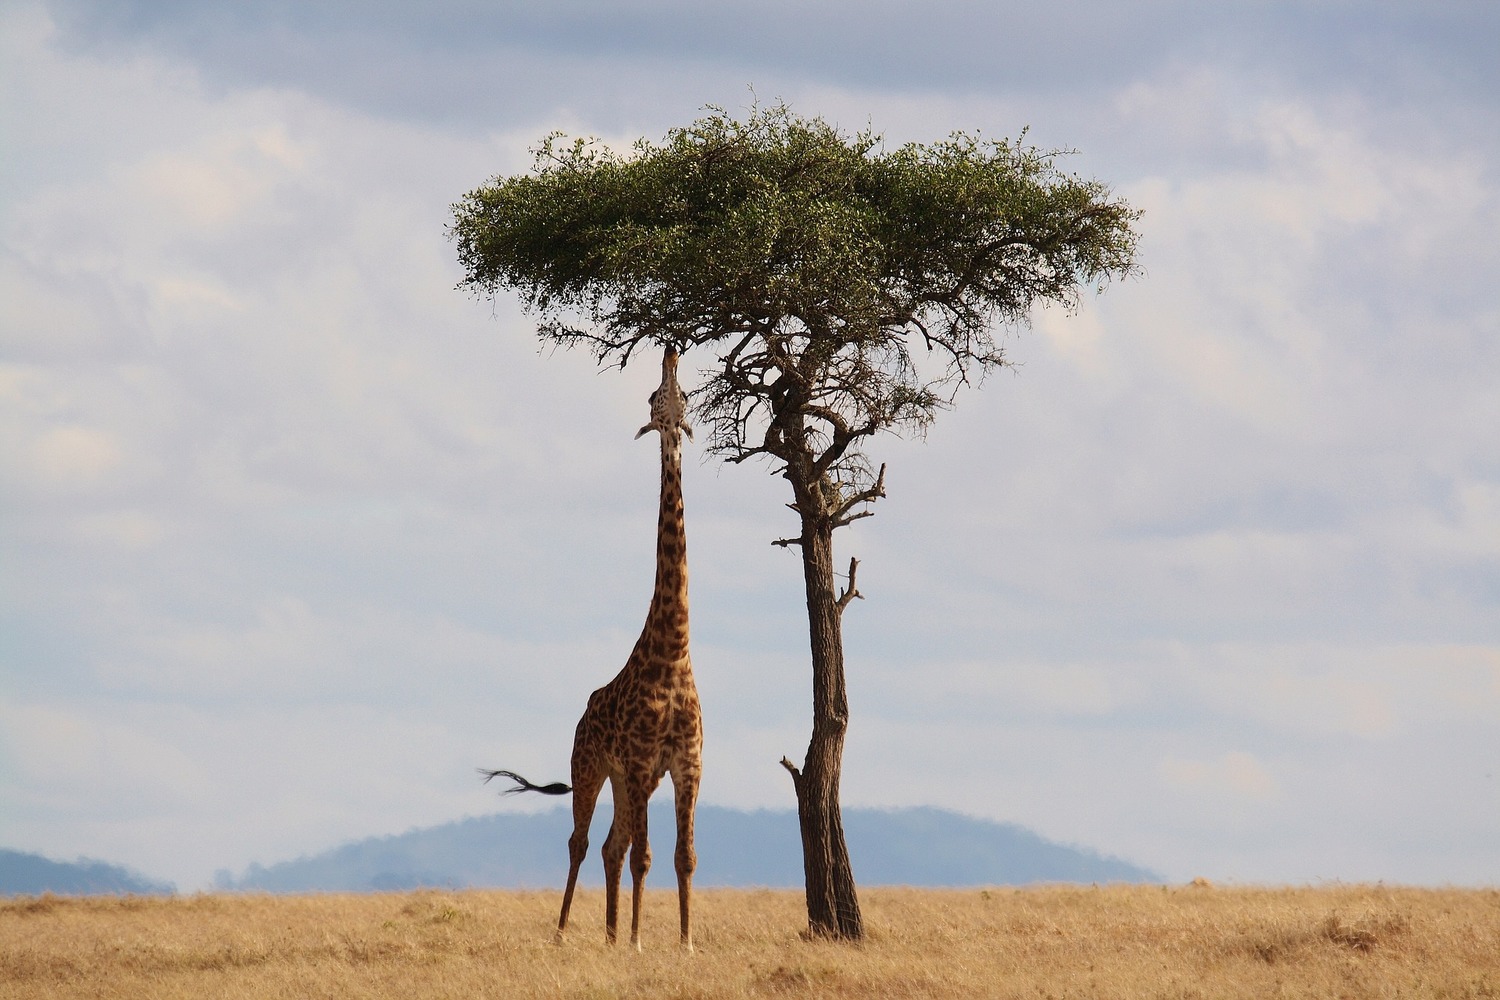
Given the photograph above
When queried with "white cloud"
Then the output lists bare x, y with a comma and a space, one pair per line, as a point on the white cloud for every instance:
221, 183
71, 457
1248, 762
1236, 775
86, 767
130, 530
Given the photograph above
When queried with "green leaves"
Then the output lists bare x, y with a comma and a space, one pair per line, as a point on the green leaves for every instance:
813, 262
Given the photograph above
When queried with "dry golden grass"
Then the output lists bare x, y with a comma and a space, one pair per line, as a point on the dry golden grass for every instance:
1355, 941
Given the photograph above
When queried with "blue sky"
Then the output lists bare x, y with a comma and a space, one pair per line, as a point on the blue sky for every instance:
295, 535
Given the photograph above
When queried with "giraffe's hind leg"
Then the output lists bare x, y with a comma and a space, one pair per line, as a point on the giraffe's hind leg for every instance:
585, 795
685, 796
615, 846
640, 859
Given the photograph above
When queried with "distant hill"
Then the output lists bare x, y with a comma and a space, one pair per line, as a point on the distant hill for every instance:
31, 875
928, 847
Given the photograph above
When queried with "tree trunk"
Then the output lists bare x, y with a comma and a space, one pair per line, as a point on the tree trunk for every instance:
832, 904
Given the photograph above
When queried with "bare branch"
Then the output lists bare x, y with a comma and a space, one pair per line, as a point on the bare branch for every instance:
841, 516
841, 522
747, 453
850, 593
792, 770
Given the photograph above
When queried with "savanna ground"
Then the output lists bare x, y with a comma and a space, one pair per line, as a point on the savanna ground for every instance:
1123, 941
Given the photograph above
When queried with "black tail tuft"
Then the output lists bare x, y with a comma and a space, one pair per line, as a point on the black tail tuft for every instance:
522, 785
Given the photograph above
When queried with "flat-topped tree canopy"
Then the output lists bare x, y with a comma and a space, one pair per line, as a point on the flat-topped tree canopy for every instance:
799, 251
845, 288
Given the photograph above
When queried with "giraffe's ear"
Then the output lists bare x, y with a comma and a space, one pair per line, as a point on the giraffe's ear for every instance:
643, 430
687, 428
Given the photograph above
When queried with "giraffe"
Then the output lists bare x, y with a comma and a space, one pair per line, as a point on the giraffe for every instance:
645, 722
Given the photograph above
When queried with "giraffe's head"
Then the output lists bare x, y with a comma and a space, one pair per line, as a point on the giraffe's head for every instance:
668, 403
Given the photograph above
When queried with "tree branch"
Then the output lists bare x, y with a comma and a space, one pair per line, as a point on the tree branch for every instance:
845, 521
841, 516
849, 593
796, 777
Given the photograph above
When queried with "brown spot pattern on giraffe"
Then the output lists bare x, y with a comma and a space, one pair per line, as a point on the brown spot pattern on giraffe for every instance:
647, 721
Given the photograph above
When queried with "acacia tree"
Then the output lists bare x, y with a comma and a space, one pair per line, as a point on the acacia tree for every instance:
843, 288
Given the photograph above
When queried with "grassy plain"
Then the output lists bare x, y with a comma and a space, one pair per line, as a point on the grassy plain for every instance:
1135, 941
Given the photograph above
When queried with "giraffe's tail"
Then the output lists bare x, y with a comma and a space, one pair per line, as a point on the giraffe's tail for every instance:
522, 785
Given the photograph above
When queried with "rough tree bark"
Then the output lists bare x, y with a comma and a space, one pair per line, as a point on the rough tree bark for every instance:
832, 902
824, 506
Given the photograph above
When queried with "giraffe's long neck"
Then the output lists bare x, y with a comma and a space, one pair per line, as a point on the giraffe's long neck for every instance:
669, 601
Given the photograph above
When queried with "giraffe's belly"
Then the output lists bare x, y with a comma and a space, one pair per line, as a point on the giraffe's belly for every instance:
658, 736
